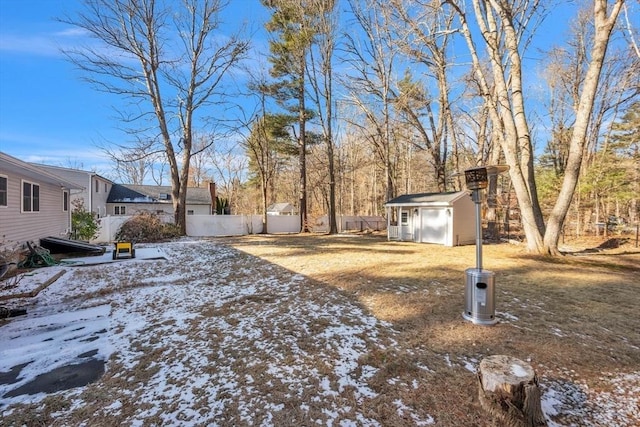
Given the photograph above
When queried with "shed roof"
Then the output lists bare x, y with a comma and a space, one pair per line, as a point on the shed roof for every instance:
281, 207
129, 193
426, 199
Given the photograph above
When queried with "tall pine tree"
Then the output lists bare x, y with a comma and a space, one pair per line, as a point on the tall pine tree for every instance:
293, 33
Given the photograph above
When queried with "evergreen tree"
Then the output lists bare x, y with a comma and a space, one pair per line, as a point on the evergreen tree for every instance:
625, 142
293, 34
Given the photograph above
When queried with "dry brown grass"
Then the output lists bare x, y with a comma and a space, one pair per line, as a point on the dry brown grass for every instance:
268, 357
574, 318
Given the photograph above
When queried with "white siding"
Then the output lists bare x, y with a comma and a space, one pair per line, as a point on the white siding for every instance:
167, 208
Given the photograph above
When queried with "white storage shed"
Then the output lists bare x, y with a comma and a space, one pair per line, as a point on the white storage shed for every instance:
441, 218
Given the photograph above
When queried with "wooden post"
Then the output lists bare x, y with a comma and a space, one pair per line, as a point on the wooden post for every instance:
508, 390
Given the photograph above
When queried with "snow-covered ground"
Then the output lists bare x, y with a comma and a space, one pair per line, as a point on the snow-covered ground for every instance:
213, 336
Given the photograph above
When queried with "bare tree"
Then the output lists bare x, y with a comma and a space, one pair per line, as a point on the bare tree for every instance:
354, 158
168, 60
228, 167
372, 58
631, 31
503, 27
604, 22
424, 32
199, 167
133, 163
269, 136
320, 72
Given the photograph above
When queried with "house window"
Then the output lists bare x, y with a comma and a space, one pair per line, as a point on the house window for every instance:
119, 210
65, 201
105, 187
3, 190
404, 218
189, 211
97, 186
30, 197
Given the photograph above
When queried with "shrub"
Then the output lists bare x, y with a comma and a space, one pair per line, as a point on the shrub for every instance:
84, 224
146, 227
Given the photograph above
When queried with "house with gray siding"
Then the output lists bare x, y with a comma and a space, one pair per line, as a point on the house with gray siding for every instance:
94, 189
34, 203
126, 199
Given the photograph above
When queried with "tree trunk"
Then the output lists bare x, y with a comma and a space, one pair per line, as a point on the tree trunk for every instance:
513, 132
603, 26
508, 391
264, 188
302, 117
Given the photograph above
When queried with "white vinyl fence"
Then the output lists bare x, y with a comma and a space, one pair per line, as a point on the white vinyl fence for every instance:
211, 225
350, 223
239, 225
109, 226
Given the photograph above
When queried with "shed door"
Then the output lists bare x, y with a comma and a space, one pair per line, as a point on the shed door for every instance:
433, 226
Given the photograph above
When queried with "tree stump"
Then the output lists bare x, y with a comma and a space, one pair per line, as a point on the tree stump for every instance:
508, 390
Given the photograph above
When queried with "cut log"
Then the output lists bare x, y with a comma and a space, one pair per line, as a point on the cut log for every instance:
508, 391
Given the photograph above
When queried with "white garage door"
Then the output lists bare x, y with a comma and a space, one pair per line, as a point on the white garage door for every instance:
433, 226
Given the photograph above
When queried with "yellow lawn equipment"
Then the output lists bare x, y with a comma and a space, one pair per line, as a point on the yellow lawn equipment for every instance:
124, 250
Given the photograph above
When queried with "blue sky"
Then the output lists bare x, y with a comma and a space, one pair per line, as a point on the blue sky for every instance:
47, 113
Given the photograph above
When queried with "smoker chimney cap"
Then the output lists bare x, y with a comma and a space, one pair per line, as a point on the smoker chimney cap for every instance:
476, 178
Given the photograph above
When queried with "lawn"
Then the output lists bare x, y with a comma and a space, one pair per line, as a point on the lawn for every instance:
327, 330
573, 318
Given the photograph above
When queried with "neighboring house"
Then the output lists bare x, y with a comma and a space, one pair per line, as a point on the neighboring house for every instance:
34, 203
281, 209
125, 199
442, 218
94, 189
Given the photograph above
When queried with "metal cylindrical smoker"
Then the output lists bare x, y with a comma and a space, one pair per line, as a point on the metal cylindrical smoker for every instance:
479, 284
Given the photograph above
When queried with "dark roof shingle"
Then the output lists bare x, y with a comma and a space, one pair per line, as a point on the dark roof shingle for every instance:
129, 193
421, 198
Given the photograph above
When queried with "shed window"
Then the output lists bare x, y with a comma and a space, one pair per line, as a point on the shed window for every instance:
404, 218
3, 191
119, 210
190, 212
30, 197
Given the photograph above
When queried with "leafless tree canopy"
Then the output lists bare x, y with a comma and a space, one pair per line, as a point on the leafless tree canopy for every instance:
389, 97
170, 61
